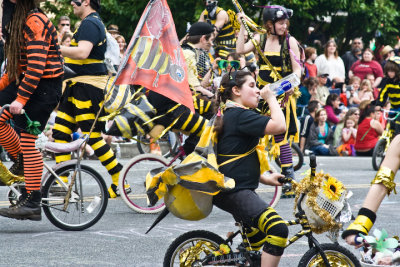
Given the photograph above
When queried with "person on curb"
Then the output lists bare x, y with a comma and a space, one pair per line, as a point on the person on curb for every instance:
32, 83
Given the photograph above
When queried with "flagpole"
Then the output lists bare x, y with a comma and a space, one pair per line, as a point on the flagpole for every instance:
132, 44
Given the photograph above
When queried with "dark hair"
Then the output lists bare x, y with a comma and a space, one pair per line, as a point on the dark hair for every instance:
309, 82
234, 55
312, 106
366, 108
331, 98
392, 66
95, 4
195, 39
369, 50
229, 80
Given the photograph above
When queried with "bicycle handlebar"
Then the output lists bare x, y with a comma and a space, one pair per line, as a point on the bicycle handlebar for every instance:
387, 112
7, 106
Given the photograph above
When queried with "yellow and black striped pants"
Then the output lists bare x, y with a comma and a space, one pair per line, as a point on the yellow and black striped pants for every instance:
78, 109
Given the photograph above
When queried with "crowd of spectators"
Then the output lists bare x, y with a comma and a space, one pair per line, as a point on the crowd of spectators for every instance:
336, 110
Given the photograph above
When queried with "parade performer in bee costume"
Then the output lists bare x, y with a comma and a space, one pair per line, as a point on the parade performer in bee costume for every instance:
225, 41
283, 52
32, 82
84, 93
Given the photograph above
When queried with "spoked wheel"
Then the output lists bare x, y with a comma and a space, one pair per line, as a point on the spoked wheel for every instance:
337, 256
168, 144
378, 154
87, 204
191, 247
133, 176
298, 157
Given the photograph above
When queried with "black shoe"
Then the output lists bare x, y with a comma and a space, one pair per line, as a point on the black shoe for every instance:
288, 172
18, 167
27, 208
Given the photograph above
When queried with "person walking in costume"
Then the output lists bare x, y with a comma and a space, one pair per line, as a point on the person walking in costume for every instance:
225, 40
239, 129
84, 94
283, 52
32, 82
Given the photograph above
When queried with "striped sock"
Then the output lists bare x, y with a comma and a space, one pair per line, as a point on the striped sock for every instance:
286, 152
33, 162
9, 138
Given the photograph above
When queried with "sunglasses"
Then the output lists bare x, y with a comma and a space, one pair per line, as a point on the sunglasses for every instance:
64, 24
223, 64
76, 2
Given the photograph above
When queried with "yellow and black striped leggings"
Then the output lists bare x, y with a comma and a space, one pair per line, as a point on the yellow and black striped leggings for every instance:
78, 109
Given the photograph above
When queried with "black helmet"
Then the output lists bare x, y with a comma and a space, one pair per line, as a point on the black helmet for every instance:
275, 13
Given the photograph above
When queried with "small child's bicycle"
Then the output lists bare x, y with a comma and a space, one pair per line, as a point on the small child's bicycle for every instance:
69, 206
203, 248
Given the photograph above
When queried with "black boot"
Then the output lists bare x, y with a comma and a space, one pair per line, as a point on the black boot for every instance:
18, 167
26, 209
287, 191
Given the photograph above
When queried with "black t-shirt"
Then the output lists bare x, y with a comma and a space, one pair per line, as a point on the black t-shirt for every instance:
91, 29
241, 132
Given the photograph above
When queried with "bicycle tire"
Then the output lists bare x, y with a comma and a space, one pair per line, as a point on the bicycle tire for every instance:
297, 164
167, 144
192, 238
79, 216
335, 254
270, 194
133, 175
378, 154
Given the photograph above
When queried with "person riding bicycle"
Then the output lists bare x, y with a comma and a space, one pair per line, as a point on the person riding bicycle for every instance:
390, 91
239, 130
283, 52
225, 34
383, 184
84, 93
32, 82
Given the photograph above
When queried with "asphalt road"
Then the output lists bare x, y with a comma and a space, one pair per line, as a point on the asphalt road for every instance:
118, 239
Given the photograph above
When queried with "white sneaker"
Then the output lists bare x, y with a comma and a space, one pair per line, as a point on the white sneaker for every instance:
307, 152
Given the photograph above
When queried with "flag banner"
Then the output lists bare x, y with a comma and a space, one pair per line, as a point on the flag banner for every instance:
154, 58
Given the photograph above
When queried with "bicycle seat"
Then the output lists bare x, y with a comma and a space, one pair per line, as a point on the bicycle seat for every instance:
64, 147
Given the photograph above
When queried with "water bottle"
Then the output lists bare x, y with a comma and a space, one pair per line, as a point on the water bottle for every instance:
284, 84
118, 151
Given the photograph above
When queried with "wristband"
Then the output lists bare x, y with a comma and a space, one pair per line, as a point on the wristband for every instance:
362, 224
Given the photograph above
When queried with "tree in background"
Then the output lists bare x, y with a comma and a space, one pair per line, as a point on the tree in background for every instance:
379, 19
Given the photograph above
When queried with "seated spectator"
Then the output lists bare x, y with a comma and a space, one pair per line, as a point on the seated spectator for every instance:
369, 130
322, 89
366, 91
66, 39
386, 53
332, 109
352, 92
354, 114
308, 91
367, 65
371, 78
307, 121
311, 55
348, 137
320, 139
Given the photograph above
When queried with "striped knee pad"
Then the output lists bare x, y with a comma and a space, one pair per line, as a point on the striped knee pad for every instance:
272, 232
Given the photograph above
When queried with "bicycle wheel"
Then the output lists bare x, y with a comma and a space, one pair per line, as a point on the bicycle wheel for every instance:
378, 154
298, 157
88, 201
133, 176
271, 194
191, 247
336, 255
168, 144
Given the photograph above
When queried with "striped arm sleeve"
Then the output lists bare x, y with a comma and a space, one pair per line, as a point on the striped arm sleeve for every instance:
37, 40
